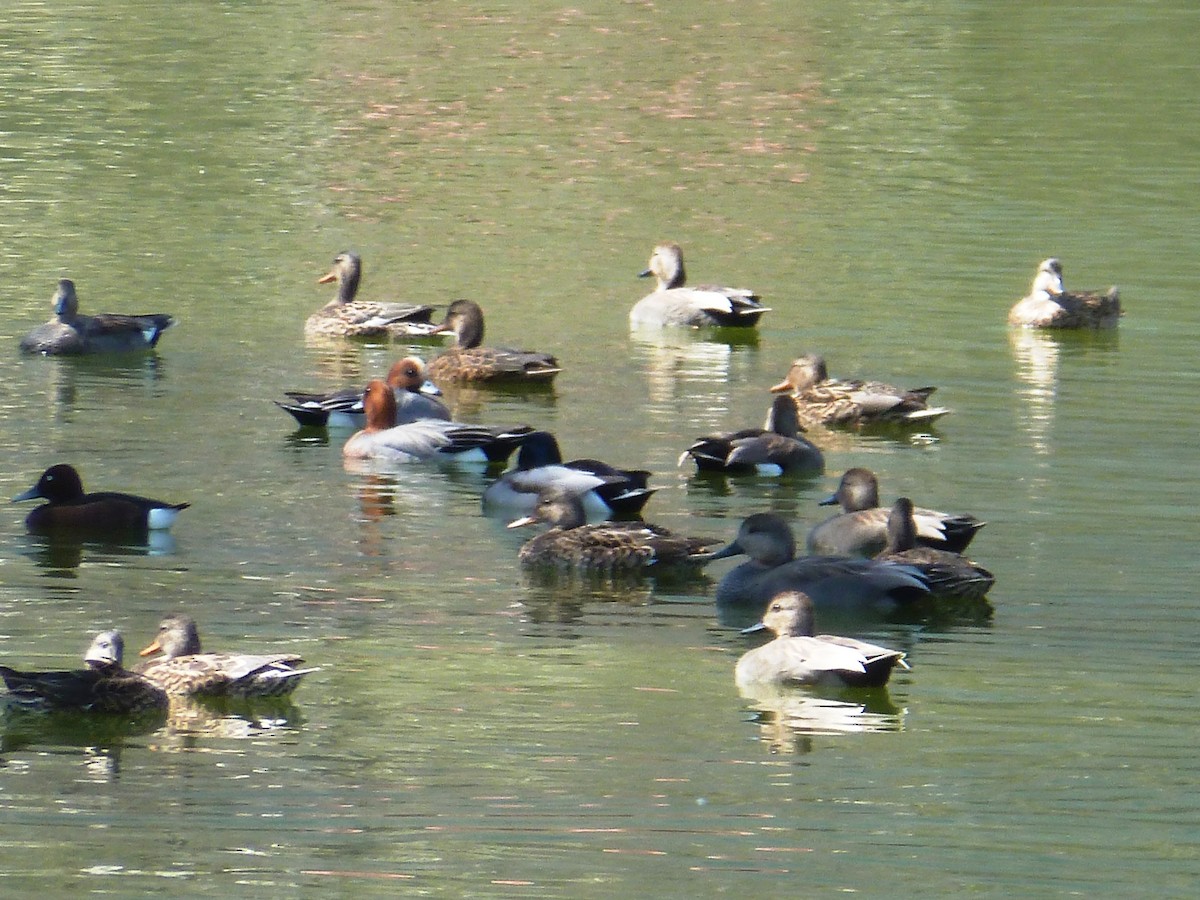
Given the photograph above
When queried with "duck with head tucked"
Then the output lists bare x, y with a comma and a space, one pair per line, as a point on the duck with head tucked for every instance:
861, 529
184, 670
346, 316
950, 575
105, 686
674, 304
416, 398
847, 584
604, 490
101, 514
798, 656
468, 361
776, 449
603, 547
1049, 305
382, 439
821, 400
70, 333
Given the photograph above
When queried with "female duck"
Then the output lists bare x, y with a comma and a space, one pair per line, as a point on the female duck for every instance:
605, 546
604, 490
102, 514
845, 583
777, 449
105, 686
1048, 305
796, 656
382, 439
344, 316
183, 669
71, 333
950, 575
416, 398
468, 361
821, 400
673, 304
861, 529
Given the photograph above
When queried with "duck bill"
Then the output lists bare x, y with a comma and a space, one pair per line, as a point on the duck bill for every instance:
154, 647
831, 500
780, 388
733, 549
757, 626
431, 389
327, 278
645, 274
522, 522
31, 494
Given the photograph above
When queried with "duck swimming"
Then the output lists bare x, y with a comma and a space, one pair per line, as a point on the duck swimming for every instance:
105, 686
70, 333
416, 398
950, 575
673, 304
347, 317
861, 529
821, 400
382, 439
844, 583
103, 514
797, 656
1049, 305
467, 361
777, 449
184, 669
571, 543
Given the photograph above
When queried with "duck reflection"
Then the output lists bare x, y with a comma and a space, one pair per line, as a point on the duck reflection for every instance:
229, 718
99, 378
99, 738
690, 365
61, 555
1037, 356
789, 717
562, 596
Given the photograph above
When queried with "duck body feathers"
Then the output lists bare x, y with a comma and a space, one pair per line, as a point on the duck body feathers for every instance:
469, 361
838, 402
70, 333
776, 449
674, 304
345, 316
950, 574
100, 513
1049, 305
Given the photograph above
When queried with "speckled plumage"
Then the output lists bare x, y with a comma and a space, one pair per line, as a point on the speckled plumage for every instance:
1049, 305
346, 316
468, 361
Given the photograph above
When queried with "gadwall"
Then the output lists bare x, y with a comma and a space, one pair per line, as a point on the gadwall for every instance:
1048, 305
69, 333
797, 656
776, 449
468, 361
347, 317
105, 686
673, 304
382, 439
183, 669
102, 513
950, 575
605, 490
849, 584
571, 543
861, 529
821, 400
416, 398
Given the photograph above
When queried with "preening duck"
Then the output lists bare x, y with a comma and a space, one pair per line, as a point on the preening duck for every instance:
1049, 305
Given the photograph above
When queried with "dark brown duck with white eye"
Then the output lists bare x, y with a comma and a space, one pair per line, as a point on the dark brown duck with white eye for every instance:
571, 543
184, 669
468, 361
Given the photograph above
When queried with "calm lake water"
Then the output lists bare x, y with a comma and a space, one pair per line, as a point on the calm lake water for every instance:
886, 175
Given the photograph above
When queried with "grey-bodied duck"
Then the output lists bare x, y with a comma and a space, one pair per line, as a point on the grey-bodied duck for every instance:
346, 316
184, 670
469, 361
674, 304
798, 656
1049, 305
105, 686
70, 333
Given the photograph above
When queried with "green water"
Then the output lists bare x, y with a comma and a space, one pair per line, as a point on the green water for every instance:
887, 176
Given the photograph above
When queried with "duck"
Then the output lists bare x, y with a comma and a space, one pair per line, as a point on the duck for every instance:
950, 575
843, 583
673, 304
605, 491
776, 449
102, 513
382, 439
797, 656
69, 333
821, 400
467, 361
184, 670
861, 529
345, 316
416, 398
105, 686
1049, 305
604, 547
